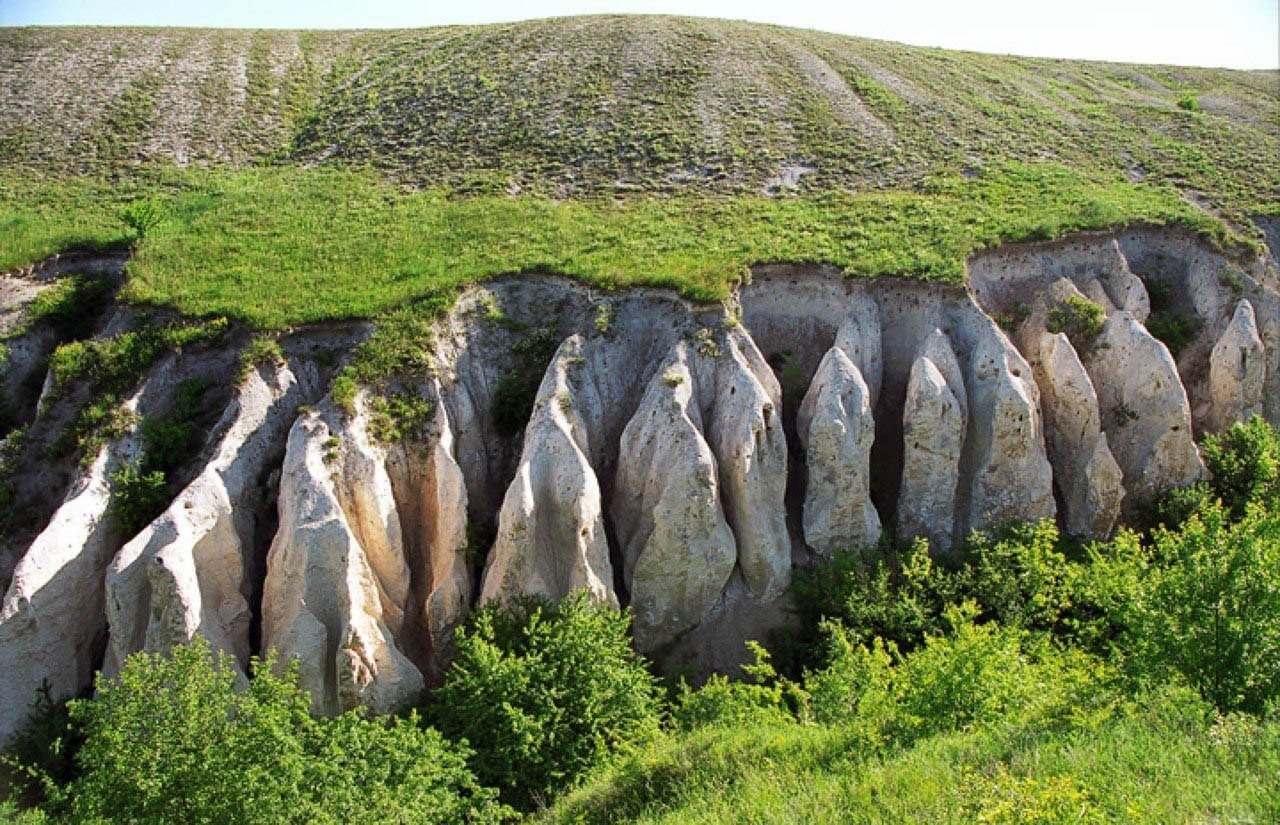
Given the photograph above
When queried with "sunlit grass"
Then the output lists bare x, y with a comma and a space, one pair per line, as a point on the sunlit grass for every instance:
283, 245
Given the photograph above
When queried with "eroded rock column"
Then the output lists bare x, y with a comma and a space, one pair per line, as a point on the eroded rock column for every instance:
934, 419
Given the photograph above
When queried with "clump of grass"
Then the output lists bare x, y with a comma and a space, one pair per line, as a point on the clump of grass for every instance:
263, 349
398, 416
1081, 320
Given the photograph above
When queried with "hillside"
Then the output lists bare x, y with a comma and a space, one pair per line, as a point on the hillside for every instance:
591, 105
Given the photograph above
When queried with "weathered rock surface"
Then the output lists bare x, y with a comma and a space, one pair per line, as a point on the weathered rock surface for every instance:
836, 430
551, 537
431, 500
1144, 410
677, 548
934, 419
745, 433
1010, 477
184, 575
337, 582
1088, 477
52, 619
654, 471
1237, 370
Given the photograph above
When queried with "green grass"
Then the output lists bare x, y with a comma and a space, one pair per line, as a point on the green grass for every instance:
1140, 767
334, 243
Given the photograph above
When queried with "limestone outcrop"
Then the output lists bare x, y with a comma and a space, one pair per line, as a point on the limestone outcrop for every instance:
1010, 477
551, 537
184, 575
1089, 479
744, 429
836, 430
1144, 409
52, 620
1237, 370
680, 458
935, 416
337, 583
677, 549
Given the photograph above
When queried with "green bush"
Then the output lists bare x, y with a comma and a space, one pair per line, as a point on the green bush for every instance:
881, 592
137, 497
760, 699
1081, 319
973, 675
1244, 463
1202, 602
544, 694
172, 740
1020, 576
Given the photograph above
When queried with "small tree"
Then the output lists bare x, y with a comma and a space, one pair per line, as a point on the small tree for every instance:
1204, 602
544, 693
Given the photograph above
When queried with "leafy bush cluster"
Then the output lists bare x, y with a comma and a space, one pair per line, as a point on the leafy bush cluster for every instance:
545, 693
172, 740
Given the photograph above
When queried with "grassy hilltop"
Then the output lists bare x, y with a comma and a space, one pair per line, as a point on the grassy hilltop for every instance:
346, 172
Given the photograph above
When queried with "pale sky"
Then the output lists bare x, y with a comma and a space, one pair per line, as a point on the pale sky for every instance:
1236, 33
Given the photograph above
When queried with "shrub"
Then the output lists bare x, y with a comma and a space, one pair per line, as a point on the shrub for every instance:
1244, 462
544, 693
173, 741
1173, 330
1080, 318
761, 699
1203, 602
973, 675
137, 497
1020, 576
881, 592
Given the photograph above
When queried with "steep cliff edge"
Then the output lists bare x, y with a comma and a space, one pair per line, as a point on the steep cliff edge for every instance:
673, 457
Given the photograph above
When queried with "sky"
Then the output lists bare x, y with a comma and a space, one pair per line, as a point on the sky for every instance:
1242, 34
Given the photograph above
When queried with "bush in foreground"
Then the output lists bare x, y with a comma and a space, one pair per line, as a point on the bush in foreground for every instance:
544, 693
172, 741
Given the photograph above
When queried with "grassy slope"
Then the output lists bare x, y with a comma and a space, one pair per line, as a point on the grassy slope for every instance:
343, 173
1150, 770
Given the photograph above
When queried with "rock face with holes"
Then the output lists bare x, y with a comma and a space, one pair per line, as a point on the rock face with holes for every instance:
676, 458
677, 549
1145, 411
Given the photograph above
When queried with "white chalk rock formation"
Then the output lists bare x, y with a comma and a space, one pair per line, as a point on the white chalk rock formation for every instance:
934, 419
745, 433
836, 430
184, 575
677, 548
431, 499
1088, 477
52, 620
1144, 410
337, 582
551, 538
1237, 371
1011, 478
